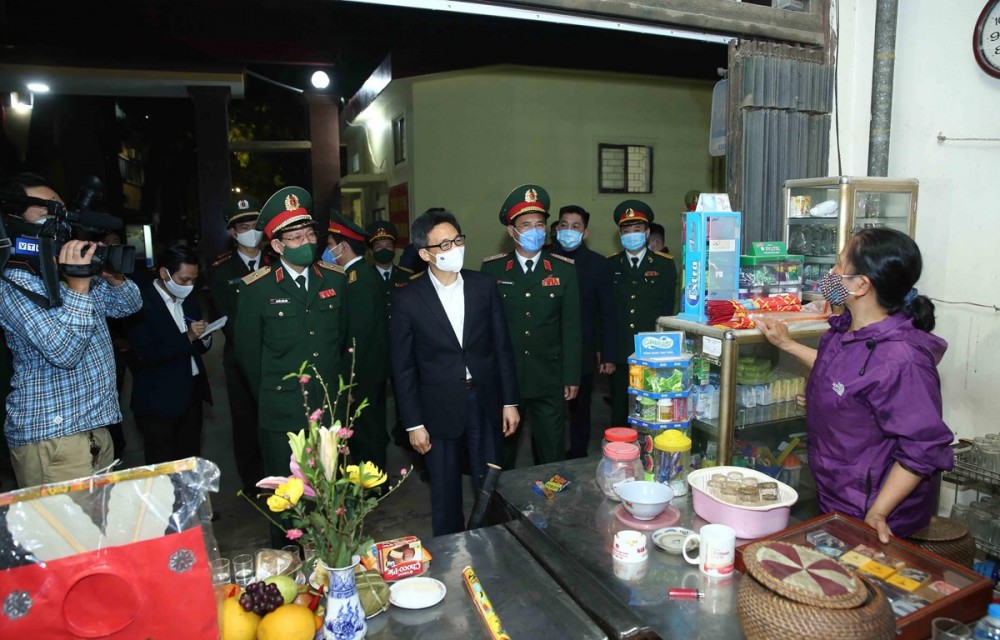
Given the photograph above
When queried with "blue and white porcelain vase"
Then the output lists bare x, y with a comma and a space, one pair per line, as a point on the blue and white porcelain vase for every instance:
345, 617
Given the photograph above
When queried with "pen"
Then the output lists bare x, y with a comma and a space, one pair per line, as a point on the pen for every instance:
687, 594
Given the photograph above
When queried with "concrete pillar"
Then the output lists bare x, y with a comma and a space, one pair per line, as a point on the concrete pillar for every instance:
211, 130
324, 131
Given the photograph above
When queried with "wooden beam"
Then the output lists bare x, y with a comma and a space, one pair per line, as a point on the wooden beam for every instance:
269, 146
715, 16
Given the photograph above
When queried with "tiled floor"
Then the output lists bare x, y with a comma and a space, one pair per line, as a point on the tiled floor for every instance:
239, 528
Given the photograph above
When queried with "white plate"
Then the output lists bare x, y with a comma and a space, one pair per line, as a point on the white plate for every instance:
671, 539
417, 593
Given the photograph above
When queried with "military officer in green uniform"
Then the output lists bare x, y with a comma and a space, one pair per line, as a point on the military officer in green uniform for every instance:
644, 284
541, 299
368, 332
224, 281
382, 241
291, 312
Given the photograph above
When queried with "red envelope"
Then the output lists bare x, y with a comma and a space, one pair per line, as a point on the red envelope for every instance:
157, 589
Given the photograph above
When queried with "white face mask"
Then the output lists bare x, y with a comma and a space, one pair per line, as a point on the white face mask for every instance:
451, 260
179, 291
249, 239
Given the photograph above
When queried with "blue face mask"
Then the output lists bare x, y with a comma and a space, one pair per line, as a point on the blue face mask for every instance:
634, 241
328, 256
570, 239
531, 240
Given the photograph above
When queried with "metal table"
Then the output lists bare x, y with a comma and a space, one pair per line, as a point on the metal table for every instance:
527, 599
571, 536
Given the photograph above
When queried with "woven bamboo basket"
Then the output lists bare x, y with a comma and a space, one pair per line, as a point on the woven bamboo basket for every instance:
766, 616
947, 538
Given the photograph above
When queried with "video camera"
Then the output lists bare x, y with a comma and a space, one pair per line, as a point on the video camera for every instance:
35, 247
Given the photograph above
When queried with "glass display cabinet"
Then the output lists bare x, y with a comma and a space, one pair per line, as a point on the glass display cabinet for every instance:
822, 213
744, 405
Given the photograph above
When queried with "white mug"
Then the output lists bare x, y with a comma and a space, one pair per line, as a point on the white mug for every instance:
716, 549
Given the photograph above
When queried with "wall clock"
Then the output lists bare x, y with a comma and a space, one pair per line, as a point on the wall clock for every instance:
986, 39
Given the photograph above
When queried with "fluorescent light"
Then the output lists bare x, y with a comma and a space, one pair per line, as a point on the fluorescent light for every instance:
18, 103
38, 87
320, 80
553, 17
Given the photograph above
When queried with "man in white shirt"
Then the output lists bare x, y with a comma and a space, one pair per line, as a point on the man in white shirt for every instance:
169, 381
453, 366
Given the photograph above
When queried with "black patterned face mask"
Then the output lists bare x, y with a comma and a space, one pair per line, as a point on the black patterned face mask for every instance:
831, 285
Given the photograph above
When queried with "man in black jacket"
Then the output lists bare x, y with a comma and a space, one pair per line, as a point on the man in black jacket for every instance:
453, 367
597, 319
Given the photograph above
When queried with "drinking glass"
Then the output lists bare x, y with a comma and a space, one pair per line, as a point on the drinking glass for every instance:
949, 629
961, 513
980, 525
222, 572
292, 549
243, 569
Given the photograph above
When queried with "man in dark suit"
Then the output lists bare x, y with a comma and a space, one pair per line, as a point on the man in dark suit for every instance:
453, 366
169, 383
597, 319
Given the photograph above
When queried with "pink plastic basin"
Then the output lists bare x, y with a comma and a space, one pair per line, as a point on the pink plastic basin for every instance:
748, 522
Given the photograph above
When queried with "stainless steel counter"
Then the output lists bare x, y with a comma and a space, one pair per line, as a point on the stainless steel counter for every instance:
528, 601
582, 521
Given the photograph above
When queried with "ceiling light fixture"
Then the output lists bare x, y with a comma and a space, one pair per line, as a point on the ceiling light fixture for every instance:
21, 103
538, 15
320, 80
38, 87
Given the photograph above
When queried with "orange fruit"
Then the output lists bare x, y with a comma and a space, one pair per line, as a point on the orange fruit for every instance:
288, 622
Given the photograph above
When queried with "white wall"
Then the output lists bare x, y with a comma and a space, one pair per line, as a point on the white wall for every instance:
939, 88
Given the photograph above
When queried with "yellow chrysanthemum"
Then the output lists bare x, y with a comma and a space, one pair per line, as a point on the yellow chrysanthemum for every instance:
286, 496
370, 476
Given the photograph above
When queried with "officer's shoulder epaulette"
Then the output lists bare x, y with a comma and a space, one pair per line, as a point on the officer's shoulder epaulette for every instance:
417, 275
323, 264
616, 254
563, 258
496, 257
664, 254
251, 278
404, 269
222, 257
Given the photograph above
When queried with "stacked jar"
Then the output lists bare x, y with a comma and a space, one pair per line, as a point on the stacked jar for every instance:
673, 460
660, 393
620, 464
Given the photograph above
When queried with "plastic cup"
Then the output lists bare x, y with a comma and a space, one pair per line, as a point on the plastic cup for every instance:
222, 572
949, 629
243, 569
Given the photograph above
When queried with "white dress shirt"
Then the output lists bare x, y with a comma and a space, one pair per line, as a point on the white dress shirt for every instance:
382, 272
246, 259
294, 274
640, 255
177, 311
534, 261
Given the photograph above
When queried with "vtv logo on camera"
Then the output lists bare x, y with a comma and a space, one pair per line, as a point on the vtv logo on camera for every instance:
26, 246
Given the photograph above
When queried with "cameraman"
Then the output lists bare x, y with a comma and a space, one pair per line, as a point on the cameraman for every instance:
64, 394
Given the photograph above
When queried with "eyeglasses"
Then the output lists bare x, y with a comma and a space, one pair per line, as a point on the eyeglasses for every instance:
526, 226
300, 238
446, 245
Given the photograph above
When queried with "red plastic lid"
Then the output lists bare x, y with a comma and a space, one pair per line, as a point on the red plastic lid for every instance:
621, 434
621, 451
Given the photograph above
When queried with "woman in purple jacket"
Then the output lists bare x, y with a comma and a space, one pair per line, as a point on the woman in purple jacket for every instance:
877, 443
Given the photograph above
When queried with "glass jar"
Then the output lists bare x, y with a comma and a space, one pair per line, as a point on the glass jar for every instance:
673, 460
619, 464
664, 410
619, 434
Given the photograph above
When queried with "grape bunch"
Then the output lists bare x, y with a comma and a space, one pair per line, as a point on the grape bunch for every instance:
261, 598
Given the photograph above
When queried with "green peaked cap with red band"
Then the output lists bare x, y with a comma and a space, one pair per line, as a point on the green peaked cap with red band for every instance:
633, 211
528, 198
381, 229
346, 227
287, 209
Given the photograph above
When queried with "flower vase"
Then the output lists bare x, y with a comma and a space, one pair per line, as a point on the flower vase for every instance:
345, 617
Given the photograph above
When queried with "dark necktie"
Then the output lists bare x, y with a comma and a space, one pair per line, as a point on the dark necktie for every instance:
301, 281
529, 264
385, 276
635, 262
250, 264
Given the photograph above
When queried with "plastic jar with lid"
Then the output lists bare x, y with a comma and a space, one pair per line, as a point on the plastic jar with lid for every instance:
793, 465
647, 409
619, 434
664, 410
673, 460
619, 464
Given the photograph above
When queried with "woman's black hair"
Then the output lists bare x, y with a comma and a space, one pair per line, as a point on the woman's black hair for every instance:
891, 260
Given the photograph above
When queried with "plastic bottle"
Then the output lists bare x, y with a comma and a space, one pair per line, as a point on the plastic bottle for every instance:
989, 626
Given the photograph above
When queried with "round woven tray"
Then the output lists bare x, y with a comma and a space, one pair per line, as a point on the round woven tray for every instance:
804, 575
947, 538
765, 615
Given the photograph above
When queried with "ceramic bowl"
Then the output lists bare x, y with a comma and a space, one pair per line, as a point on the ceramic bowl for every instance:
645, 500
